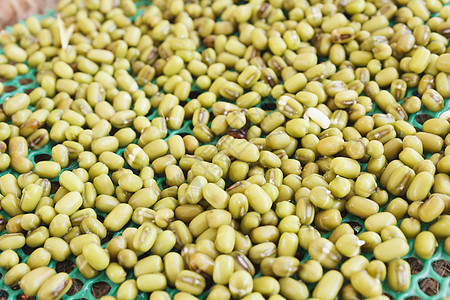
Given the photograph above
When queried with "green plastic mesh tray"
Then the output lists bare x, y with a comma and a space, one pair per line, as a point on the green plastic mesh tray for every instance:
430, 278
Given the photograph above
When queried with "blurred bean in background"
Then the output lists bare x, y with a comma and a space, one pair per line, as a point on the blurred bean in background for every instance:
13, 10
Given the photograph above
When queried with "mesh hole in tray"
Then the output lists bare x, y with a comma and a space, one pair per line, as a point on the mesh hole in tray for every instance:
413, 298
100, 289
422, 118
28, 91
429, 286
266, 105
300, 254
183, 134
356, 226
65, 266
415, 264
108, 237
9, 89
441, 267
75, 288
41, 157
25, 81
164, 184
389, 296
27, 249
54, 186
194, 94
114, 130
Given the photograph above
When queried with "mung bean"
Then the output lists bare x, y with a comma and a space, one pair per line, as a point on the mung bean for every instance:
254, 196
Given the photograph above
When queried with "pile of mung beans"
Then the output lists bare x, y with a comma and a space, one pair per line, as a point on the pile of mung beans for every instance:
281, 144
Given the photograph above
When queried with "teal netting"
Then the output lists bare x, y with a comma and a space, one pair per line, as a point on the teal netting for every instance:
437, 268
